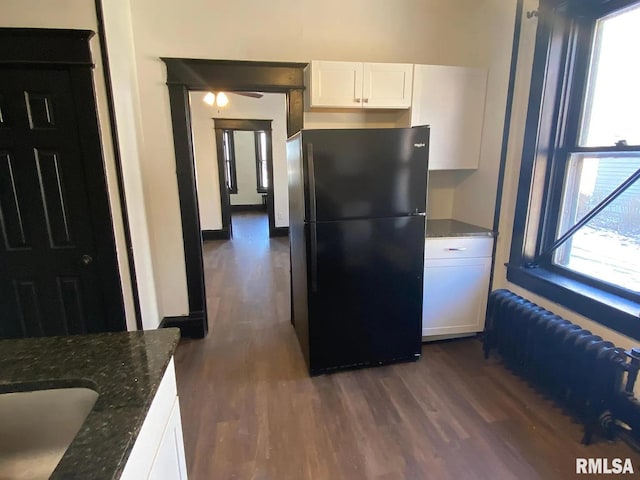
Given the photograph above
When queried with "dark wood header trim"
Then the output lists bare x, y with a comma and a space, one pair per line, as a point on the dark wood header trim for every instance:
241, 124
201, 74
45, 46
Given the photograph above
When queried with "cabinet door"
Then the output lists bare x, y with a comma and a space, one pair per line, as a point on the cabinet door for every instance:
169, 463
387, 85
336, 84
455, 295
451, 101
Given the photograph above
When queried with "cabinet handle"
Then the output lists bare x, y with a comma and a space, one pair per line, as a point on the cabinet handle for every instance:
456, 249
357, 100
365, 100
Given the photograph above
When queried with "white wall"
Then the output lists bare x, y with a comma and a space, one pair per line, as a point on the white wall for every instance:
475, 194
339, 118
80, 14
512, 172
440, 191
124, 80
245, 156
272, 106
204, 150
411, 31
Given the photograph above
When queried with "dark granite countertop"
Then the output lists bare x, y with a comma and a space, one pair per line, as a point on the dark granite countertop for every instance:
453, 228
124, 368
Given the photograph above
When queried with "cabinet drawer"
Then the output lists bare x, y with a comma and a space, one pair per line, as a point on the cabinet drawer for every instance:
458, 247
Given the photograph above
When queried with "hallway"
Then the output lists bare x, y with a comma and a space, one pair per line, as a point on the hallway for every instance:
250, 411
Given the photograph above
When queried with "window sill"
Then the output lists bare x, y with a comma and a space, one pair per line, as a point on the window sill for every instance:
610, 310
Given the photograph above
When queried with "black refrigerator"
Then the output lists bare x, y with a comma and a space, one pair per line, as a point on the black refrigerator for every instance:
357, 200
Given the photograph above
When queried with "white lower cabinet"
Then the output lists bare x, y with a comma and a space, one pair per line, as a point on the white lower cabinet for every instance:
456, 285
158, 453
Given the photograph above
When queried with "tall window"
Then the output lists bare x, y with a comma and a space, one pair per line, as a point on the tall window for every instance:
261, 161
577, 226
229, 161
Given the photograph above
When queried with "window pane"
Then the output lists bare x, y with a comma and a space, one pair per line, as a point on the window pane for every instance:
227, 174
608, 246
225, 145
264, 178
263, 146
612, 106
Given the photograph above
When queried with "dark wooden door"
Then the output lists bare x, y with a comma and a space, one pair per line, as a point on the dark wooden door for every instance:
56, 277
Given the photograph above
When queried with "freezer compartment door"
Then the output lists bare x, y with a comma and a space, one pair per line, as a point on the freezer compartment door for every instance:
369, 173
365, 291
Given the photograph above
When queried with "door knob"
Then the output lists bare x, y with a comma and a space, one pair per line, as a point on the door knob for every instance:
86, 259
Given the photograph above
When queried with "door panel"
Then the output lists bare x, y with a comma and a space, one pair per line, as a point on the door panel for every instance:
13, 228
53, 197
50, 281
365, 173
366, 299
28, 303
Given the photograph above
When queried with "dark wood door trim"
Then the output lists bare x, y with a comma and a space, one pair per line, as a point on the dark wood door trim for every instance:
225, 200
198, 74
189, 210
234, 75
246, 124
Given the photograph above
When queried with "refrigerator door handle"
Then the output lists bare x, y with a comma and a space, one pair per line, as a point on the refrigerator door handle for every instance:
314, 258
312, 183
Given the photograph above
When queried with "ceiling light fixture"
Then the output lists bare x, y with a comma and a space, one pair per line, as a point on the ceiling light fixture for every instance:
212, 99
222, 99
209, 99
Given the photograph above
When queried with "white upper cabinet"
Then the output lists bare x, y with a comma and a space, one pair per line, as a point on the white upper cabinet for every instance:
451, 101
359, 85
335, 84
387, 85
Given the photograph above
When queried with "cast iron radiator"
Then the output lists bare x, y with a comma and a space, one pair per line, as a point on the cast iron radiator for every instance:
589, 377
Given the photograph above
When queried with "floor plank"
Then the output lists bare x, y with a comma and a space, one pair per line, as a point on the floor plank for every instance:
250, 411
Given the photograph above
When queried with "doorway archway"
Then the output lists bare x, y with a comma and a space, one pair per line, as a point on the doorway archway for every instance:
226, 168
184, 75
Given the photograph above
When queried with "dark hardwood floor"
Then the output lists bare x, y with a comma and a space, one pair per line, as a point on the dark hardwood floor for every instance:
250, 411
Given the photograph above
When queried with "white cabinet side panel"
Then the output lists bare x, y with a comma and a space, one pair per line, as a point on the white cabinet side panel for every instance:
451, 101
170, 463
144, 450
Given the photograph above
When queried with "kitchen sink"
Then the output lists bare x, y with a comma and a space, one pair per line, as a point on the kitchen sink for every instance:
36, 427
